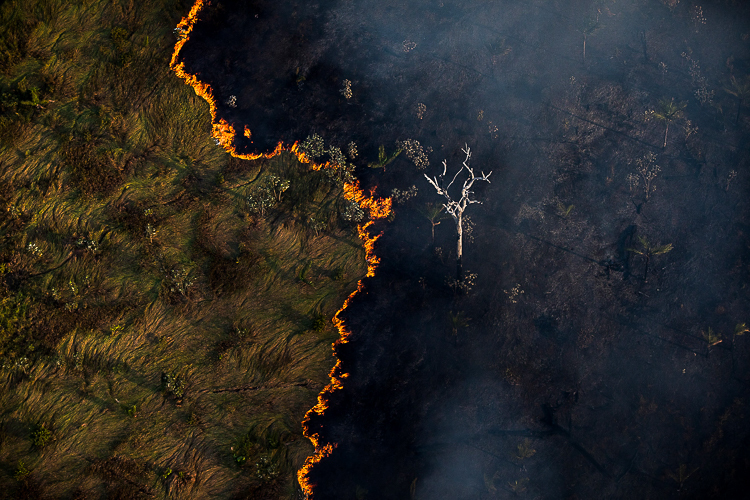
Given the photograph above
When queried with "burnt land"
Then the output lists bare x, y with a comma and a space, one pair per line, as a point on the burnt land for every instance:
600, 352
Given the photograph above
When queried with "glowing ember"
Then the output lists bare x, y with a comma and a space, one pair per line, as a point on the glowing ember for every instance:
378, 208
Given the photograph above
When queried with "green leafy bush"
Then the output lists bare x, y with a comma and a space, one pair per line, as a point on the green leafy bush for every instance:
22, 472
41, 436
15, 338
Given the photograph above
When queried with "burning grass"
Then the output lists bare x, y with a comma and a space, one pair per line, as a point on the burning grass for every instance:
377, 208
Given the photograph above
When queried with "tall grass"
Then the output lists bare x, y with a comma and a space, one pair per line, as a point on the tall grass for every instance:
127, 236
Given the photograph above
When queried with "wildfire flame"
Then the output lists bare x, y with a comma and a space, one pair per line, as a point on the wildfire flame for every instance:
378, 208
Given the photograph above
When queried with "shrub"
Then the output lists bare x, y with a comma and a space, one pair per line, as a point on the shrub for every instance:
178, 282
313, 146
352, 212
22, 472
15, 337
318, 323
266, 469
266, 195
337, 170
415, 152
41, 436
173, 384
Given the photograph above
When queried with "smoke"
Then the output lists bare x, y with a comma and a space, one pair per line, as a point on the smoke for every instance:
580, 364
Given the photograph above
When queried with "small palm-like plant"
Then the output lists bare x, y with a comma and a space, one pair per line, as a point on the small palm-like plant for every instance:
302, 274
739, 330
667, 111
383, 158
433, 212
519, 486
648, 250
681, 475
458, 321
712, 337
35, 101
741, 90
564, 211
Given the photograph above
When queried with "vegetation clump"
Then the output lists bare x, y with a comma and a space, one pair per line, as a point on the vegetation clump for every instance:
335, 167
648, 251
318, 322
173, 384
266, 195
22, 471
16, 340
41, 436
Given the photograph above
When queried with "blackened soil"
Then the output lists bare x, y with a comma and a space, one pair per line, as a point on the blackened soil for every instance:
576, 367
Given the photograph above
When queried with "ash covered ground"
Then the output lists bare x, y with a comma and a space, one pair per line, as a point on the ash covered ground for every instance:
587, 360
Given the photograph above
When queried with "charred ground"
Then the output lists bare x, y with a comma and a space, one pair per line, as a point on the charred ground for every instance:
586, 361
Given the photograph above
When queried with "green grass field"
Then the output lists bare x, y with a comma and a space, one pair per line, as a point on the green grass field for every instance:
160, 336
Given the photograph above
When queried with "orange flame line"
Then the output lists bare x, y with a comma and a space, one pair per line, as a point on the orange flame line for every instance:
378, 208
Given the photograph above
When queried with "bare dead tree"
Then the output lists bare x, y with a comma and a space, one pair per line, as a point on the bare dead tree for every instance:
456, 208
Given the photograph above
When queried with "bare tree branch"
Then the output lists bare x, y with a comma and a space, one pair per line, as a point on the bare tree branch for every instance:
453, 207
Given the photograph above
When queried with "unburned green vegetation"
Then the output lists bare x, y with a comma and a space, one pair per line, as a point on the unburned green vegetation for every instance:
164, 308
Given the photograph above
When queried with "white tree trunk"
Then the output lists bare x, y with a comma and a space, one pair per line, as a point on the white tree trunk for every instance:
456, 208
460, 248
584, 48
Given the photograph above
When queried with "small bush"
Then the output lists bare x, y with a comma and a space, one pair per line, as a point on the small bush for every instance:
194, 420
173, 384
266, 195
247, 447
352, 212
265, 469
15, 337
178, 282
41, 436
22, 472
318, 323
